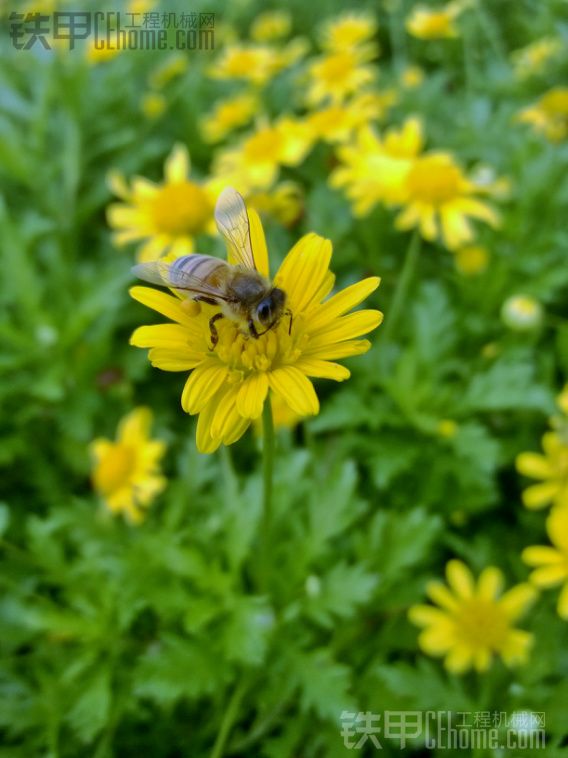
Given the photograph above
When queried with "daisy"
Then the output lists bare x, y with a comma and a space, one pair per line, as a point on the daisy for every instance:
167, 216
439, 199
336, 123
549, 115
271, 25
228, 115
336, 75
551, 563
472, 623
373, 169
347, 31
552, 471
126, 472
255, 163
232, 379
426, 23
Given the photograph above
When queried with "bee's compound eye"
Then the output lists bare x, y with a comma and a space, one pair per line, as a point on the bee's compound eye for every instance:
264, 312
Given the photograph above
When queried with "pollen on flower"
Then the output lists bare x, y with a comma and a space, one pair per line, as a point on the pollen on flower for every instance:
276, 347
434, 179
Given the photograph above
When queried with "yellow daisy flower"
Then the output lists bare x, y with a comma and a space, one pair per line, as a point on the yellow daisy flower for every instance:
232, 377
256, 63
271, 25
336, 123
426, 23
438, 199
473, 622
255, 163
532, 59
551, 563
348, 31
166, 216
549, 115
551, 468
228, 115
373, 170
336, 75
126, 473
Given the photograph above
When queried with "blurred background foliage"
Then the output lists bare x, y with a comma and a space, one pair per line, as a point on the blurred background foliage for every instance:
118, 639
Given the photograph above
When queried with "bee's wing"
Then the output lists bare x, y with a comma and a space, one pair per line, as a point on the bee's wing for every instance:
166, 275
233, 224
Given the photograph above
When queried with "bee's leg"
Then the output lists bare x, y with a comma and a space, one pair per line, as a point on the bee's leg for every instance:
289, 313
213, 330
252, 329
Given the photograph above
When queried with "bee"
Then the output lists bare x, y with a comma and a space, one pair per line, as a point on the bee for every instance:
243, 294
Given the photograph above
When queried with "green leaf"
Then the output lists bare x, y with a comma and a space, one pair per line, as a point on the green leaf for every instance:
91, 709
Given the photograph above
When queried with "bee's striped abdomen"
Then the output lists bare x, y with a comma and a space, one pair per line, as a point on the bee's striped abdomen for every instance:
204, 268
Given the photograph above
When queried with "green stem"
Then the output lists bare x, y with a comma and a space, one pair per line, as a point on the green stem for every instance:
228, 721
267, 477
403, 284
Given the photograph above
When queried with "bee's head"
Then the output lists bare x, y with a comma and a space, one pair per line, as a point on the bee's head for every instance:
270, 308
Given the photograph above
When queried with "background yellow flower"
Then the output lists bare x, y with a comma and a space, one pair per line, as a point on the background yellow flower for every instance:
473, 622
126, 472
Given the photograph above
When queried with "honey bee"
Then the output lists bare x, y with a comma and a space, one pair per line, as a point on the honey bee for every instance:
243, 294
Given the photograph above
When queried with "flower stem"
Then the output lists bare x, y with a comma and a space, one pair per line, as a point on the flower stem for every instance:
267, 477
228, 720
403, 284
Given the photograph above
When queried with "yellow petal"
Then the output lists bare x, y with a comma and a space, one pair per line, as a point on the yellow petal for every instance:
548, 576
338, 350
538, 555
258, 242
177, 165
460, 578
226, 416
534, 465
347, 327
295, 389
343, 301
490, 583
134, 428
557, 528
459, 659
516, 601
168, 305
437, 639
562, 606
304, 270
424, 615
171, 336
440, 594
517, 647
175, 360
252, 394
322, 369
203, 383
204, 440
539, 495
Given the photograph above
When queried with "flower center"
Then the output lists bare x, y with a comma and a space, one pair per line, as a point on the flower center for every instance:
274, 348
115, 469
264, 146
336, 68
434, 179
481, 623
181, 208
436, 23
